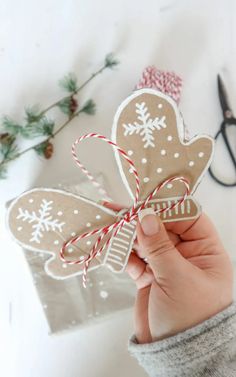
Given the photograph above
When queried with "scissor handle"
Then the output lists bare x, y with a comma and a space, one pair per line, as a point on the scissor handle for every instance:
226, 123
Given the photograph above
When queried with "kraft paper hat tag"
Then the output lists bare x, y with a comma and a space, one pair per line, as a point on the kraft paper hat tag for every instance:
148, 127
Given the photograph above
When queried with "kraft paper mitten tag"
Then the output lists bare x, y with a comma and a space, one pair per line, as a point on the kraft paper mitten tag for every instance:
147, 128
148, 125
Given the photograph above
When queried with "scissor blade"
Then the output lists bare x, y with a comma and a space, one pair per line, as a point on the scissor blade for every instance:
227, 111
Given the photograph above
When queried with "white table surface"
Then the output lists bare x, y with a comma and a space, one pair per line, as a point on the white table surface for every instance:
39, 43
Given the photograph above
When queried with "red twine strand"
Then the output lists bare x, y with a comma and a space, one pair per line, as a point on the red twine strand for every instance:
129, 216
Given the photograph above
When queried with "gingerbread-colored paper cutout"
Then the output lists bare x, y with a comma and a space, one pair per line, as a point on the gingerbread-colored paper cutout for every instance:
154, 152
148, 126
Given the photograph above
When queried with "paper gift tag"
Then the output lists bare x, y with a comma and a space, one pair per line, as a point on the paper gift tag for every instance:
147, 126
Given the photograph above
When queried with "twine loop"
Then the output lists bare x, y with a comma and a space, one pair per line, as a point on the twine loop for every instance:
129, 216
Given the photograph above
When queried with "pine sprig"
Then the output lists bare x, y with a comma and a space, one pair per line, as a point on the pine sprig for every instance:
89, 107
37, 123
43, 127
111, 61
69, 83
33, 114
10, 126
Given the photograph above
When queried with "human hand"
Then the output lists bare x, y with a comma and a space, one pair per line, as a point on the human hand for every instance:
188, 276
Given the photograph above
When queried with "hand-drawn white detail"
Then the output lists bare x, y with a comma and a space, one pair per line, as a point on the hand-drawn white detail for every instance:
88, 225
31, 200
176, 155
76, 211
159, 170
144, 160
146, 179
42, 221
169, 186
59, 213
104, 294
88, 242
163, 152
19, 228
191, 163
98, 217
169, 138
130, 153
200, 154
160, 106
56, 242
64, 265
146, 126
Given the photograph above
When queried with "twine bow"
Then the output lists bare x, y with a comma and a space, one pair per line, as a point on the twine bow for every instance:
130, 215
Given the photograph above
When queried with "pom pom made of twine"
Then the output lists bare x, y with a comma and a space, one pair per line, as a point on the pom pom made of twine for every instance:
167, 82
127, 217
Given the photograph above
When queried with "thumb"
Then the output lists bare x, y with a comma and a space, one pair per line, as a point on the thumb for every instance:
162, 256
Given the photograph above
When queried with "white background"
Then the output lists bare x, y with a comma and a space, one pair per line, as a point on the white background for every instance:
40, 41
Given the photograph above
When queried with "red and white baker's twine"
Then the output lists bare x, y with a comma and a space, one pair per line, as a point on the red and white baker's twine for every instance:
129, 216
167, 82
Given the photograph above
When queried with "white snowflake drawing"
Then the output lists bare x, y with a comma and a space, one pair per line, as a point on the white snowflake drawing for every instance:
146, 126
41, 221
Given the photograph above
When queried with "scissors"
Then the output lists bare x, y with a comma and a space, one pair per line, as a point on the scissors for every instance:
228, 121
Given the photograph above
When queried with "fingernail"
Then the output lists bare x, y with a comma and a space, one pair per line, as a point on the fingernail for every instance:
149, 221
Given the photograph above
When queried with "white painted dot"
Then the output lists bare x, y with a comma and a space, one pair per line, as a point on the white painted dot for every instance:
31, 200
64, 265
160, 106
146, 179
191, 163
169, 186
163, 152
88, 225
88, 243
169, 138
159, 170
144, 160
73, 234
101, 283
131, 170
56, 242
82, 258
200, 154
98, 217
60, 213
76, 211
70, 250
104, 294
130, 153
176, 155
19, 228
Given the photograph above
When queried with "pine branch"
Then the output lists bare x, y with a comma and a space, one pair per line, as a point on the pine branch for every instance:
37, 124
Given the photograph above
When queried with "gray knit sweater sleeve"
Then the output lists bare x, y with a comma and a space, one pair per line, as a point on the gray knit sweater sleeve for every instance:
208, 349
